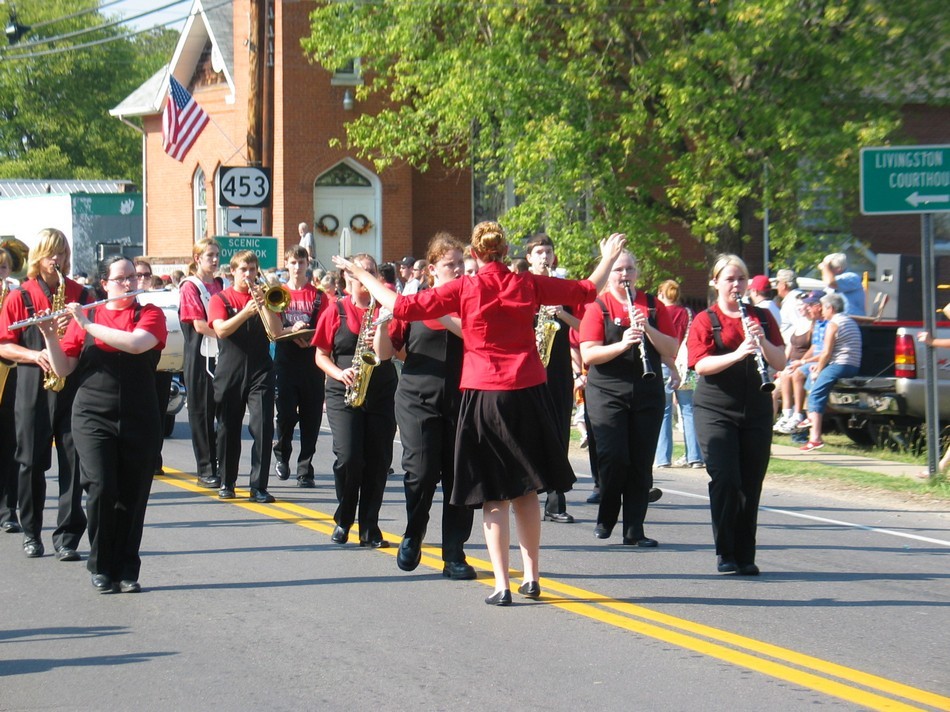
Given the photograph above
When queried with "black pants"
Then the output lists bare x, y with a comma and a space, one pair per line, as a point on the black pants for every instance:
41, 416
428, 442
300, 395
163, 385
235, 391
737, 453
9, 471
363, 448
626, 431
199, 391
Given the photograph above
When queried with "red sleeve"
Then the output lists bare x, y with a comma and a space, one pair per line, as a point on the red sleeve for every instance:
772, 331
327, 324
699, 341
190, 306
398, 333
13, 311
73, 339
664, 321
429, 303
152, 320
554, 290
217, 310
592, 324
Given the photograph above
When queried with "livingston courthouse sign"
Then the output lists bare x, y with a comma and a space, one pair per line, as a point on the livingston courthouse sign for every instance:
905, 179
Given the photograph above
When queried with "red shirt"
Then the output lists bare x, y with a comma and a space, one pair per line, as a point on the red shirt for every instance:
190, 306
592, 324
14, 309
679, 315
329, 322
218, 312
497, 308
301, 305
700, 342
151, 319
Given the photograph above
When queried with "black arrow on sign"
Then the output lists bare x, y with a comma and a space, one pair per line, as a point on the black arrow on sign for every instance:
240, 220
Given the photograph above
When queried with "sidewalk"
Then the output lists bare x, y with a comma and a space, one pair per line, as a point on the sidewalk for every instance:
869, 464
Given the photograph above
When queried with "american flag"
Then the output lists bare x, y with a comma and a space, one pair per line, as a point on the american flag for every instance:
182, 121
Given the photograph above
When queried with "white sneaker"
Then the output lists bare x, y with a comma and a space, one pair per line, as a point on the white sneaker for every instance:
780, 424
792, 424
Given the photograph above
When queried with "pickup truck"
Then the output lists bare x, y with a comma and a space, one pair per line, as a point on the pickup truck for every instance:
884, 404
173, 355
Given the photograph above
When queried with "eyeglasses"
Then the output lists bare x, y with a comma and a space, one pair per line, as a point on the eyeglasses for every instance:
119, 280
143, 275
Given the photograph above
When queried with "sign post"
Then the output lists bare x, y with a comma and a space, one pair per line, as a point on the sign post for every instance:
913, 179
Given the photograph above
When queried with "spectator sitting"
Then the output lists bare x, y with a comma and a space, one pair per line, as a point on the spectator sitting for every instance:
840, 358
157, 283
793, 316
177, 276
847, 284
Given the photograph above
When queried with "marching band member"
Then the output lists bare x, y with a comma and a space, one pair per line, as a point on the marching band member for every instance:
539, 252
625, 406
300, 385
363, 434
201, 349
427, 407
113, 350
244, 376
8, 465
733, 415
503, 455
43, 415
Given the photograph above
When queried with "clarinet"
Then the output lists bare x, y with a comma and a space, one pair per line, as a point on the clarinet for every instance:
767, 385
648, 371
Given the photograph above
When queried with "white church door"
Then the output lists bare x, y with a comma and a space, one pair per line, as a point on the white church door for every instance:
346, 209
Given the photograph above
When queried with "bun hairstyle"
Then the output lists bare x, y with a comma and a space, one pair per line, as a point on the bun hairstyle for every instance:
489, 242
725, 260
670, 290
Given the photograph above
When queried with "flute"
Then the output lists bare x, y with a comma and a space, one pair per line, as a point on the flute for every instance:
767, 385
648, 371
22, 324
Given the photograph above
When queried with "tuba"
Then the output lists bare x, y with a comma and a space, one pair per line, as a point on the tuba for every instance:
51, 381
364, 361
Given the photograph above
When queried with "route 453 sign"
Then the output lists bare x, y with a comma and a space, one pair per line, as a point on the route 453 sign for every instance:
244, 187
905, 179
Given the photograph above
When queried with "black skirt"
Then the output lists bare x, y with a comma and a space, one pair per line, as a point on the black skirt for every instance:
507, 445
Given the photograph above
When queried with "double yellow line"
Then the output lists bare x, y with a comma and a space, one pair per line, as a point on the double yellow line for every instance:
855, 686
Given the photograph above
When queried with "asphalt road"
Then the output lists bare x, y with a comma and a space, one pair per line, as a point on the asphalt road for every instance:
251, 606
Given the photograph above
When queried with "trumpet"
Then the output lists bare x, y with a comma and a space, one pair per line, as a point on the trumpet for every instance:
22, 324
767, 385
276, 299
648, 372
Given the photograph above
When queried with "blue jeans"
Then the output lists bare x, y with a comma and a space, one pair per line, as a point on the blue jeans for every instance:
821, 388
664, 446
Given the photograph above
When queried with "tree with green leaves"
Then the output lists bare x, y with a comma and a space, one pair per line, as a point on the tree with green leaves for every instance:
607, 115
55, 97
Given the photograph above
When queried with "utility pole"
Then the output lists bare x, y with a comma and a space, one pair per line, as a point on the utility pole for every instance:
255, 95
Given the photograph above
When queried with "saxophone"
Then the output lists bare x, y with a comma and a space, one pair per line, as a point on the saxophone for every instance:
51, 381
364, 361
545, 328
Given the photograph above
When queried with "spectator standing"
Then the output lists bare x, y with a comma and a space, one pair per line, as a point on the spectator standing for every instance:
848, 284
306, 240
405, 273
786, 287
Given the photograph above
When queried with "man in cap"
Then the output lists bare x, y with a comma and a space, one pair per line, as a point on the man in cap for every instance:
786, 286
405, 273
760, 293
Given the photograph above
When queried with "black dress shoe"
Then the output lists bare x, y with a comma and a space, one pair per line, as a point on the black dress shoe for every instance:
594, 497
459, 571
130, 587
226, 493
559, 517
33, 548
209, 482
261, 496
499, 598
530, 589
283, 470
306, 482
374, 543
643, 542
410, 554
102, 583
340, 535
64, 553
602, 532
11, 527
748, 570
726, 566
655, 494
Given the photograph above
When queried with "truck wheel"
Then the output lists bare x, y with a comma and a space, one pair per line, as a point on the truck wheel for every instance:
858, 435
897, 437
169, 424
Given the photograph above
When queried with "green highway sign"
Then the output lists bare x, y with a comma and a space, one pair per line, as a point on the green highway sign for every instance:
264, 247
905, 179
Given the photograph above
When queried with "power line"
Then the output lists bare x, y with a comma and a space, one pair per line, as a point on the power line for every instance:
80, 13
